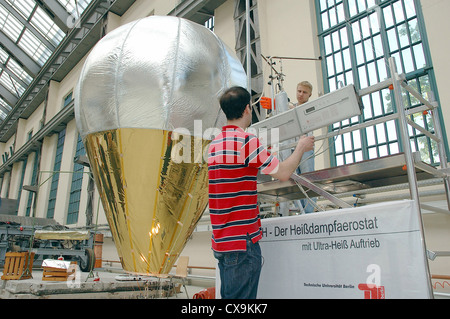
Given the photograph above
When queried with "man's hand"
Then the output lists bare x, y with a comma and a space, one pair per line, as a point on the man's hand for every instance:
306, 143
287, 168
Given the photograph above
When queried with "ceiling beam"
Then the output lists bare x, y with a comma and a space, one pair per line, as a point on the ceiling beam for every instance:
187, 8
196, 10
6, 95
12, 75
58, 13
28, 64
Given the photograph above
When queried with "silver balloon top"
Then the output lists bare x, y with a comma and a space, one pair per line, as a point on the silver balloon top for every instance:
159, 72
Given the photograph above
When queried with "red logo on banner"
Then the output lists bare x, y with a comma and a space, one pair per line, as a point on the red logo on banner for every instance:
372, 291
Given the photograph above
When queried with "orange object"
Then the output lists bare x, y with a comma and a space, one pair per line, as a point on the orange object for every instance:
266, 103
404, 168
98, 247
391, 87
208, 293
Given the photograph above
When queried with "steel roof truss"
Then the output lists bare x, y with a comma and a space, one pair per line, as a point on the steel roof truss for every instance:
9, 98
12, 75
27, 24
59, 14
29, 65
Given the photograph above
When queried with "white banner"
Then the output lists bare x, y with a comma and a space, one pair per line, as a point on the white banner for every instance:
372, 252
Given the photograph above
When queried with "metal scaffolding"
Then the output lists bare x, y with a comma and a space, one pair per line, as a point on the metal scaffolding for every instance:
405, 169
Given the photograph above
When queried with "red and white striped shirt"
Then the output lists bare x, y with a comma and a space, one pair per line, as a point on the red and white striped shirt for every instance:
234, 159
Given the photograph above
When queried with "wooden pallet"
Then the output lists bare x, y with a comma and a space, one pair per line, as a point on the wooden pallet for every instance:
57, 274
18, 266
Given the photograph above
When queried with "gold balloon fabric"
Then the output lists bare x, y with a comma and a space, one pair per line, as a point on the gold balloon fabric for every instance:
153, 197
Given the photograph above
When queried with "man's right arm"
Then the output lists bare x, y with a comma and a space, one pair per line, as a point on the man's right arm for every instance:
287, 167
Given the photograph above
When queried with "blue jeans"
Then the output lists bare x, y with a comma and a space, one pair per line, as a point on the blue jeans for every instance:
306, 166
239, 272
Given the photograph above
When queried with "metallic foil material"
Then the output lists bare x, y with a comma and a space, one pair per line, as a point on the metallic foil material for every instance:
142, 85
158, 72
152, 202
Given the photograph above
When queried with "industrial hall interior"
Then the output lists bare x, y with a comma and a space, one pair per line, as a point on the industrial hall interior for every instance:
108, 109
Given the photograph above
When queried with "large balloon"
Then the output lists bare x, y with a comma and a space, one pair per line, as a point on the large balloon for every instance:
142, 85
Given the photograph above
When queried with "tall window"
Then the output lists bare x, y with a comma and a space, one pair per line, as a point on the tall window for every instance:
68, 99
77, 181
55, 177
34, 180
24, 168
357, 38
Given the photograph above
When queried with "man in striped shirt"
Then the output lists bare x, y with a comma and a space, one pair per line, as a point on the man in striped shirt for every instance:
234, 159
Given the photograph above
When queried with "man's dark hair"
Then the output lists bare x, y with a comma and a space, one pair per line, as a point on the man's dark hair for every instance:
234, 101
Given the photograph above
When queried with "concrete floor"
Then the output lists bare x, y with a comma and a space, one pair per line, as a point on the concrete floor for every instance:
115, 284
100, 284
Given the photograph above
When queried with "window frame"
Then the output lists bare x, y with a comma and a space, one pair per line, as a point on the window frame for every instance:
339, 153
56, 171
76, 185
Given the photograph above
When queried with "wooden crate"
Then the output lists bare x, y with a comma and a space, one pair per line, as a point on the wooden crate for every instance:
18, 266
57, 274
